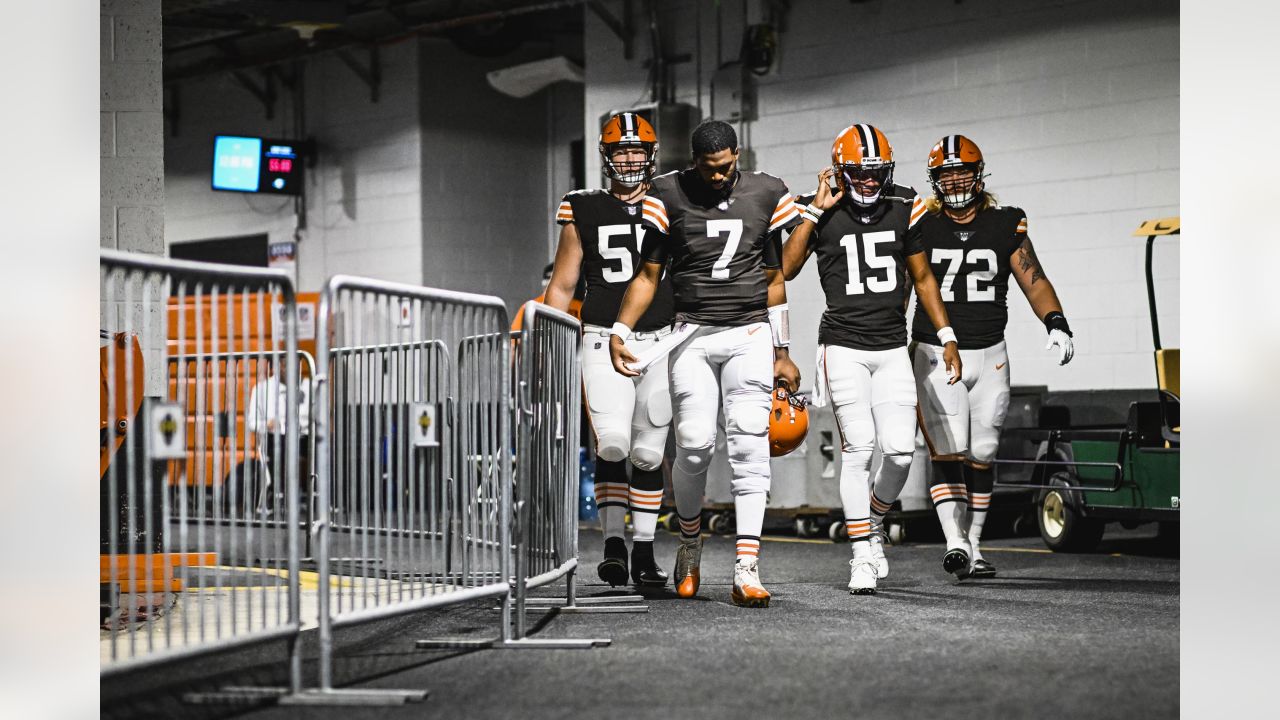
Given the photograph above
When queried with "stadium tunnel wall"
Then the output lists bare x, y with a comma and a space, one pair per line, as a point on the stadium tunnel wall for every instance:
131, 143
443, 182
1074, 102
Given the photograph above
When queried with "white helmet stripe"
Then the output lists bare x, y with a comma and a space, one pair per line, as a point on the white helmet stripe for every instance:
869, 141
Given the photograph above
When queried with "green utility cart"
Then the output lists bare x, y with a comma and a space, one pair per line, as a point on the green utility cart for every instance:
1087, 476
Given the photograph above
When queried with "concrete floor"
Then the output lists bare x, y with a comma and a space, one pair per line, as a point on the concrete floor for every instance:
1051, 636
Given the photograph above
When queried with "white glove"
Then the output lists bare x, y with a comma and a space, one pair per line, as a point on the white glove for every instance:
1066, 348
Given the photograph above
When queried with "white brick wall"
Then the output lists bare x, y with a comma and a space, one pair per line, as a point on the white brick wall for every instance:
1074, 102
363, 210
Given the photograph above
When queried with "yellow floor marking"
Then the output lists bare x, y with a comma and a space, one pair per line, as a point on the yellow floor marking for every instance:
307, 579
987, 549
809, 541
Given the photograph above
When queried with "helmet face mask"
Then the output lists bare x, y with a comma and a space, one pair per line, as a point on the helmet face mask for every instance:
851, 175
957, 185
621, 135
628, 172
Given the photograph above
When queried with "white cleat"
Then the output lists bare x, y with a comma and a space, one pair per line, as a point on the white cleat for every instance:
862, 576
747, 588
877, 550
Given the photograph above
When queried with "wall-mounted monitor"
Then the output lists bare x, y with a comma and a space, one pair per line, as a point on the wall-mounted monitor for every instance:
257, 165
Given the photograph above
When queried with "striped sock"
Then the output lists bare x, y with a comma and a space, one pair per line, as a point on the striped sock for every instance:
690, 527
612, 496
950, 501
748, 547
979, 479
646, 500
859, 529
879, 508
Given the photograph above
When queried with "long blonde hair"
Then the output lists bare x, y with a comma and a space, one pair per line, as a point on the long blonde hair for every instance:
933, 203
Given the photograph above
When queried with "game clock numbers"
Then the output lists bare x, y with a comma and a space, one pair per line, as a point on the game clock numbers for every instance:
257, 165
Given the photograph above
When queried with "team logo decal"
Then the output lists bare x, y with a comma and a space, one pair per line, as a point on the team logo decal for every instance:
964, 236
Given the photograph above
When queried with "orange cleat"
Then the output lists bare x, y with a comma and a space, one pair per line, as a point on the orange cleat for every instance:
687, 573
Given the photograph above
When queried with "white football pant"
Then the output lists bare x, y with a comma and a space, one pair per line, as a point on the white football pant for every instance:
873, 393
630, 416
733, 367
963, 419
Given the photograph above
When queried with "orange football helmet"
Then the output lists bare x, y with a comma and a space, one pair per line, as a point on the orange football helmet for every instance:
956, 152
861, 152
628, 129
788, 422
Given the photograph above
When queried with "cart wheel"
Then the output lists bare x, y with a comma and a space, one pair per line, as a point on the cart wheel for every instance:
897, 532
837, 531
1062, 527
807, 527
719, 523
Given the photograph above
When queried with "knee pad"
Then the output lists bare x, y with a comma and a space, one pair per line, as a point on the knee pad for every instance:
694, 461
646, 458
902, 461
983, 450
612, 448
748, 446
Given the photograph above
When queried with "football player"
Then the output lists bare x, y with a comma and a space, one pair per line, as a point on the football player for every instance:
973, 245
717, 231
866, 258
600, 235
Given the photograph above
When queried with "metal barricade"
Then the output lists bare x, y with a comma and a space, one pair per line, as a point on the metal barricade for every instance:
549, 396
413, 460
188, 563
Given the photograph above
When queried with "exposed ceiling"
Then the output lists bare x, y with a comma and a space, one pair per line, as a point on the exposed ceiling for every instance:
204, 37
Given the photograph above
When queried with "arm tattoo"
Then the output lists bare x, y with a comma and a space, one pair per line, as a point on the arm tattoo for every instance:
1027, 260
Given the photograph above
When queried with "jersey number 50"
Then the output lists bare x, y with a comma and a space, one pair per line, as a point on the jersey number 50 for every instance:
626, 268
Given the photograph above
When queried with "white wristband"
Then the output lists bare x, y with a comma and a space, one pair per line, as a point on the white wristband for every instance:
621, 330
812, 213
946, 335
780, 325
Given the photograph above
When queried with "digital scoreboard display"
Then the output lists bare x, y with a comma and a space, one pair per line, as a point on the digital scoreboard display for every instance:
257, 165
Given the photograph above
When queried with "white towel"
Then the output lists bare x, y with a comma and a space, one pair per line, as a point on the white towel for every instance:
683, 331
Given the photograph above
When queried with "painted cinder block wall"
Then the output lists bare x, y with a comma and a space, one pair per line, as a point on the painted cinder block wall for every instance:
1074, 102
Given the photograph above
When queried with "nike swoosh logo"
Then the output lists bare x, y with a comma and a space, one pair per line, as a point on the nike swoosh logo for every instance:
753, 330
1001, 366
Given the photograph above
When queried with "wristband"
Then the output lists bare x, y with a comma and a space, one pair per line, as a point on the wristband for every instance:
780, 325
1057, 321
812, 213
621, 330
947, 335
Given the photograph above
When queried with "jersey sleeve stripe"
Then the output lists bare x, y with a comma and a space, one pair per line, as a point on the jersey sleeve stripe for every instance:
1022, 226
784, 217
917, 211
658, 220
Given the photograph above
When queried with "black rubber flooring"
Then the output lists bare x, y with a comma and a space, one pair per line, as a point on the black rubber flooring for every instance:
1052, 636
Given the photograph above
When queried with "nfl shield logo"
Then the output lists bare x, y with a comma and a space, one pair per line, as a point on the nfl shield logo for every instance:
964, 236
631, 209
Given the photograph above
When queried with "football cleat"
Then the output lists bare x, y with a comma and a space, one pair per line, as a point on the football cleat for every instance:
877, 550
747, 590
644, 571
982, 569
613, 569
956, 561
862, 576
688, 561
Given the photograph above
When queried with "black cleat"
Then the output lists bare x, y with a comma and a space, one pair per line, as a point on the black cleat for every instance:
982, 569
956, 561
644, 571
613, 569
